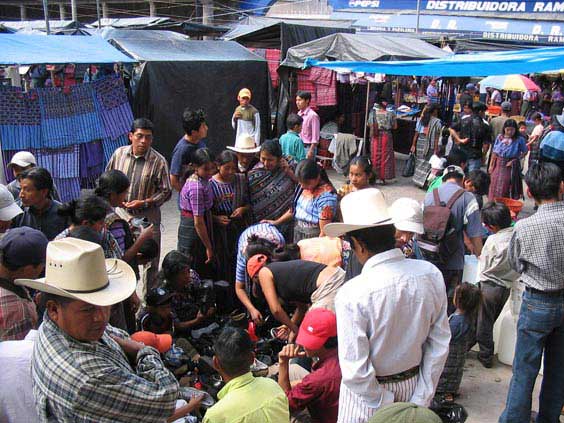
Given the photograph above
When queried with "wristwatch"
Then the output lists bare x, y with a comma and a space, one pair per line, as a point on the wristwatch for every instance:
145, 204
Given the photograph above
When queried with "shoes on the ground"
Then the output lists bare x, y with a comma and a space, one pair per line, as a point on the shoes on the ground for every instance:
487, 362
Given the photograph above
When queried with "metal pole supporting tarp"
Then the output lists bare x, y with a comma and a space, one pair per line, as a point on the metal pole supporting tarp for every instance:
46, 14
366, 116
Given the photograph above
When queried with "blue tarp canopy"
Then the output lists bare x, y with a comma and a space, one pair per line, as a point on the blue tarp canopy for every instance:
27, 49
479, 64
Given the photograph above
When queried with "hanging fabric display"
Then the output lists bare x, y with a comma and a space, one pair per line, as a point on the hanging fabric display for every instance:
71, 131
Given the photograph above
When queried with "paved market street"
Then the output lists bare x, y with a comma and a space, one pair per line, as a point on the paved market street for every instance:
483, 391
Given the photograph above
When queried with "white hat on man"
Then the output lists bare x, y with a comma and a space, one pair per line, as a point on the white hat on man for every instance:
245, 144
23, 159
407, 215
361, 209
8, 207
77, 269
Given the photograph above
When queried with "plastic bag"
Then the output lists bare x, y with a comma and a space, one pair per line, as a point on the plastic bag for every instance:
409, 169
449, 412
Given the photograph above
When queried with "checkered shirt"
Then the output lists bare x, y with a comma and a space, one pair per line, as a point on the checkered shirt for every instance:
17, 314
93, 381
536, 249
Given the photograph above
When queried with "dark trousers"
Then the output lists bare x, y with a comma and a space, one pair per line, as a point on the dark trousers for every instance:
452, 278
494, 298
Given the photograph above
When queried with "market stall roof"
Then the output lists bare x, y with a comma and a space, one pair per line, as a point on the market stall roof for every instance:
479, 64
158, 23
283, 34
362, 47
157, 46
28, 49
67, 27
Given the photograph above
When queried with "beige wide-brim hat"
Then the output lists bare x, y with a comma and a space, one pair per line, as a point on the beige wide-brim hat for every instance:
77, 269
245, 144
407, 215
361, 209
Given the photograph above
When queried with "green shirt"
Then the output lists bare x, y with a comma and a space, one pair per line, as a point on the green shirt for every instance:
292, 145
435, 184
249, 399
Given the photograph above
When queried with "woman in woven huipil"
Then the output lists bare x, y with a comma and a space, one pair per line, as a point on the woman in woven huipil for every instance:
426, 143
382, 122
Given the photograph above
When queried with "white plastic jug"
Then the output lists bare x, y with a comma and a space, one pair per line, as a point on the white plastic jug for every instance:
471, 271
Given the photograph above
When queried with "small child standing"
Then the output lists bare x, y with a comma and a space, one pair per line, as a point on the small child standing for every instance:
291, 143
496, 278
467, 299
246, 118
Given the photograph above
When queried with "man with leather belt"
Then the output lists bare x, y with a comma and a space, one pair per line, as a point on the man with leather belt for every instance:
148, 173
537, 252
391, 319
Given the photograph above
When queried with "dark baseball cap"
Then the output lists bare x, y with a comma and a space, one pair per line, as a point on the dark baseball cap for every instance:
23, 246
158, 296
506, 106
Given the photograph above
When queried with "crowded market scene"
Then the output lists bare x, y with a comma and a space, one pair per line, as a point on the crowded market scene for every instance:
267, 221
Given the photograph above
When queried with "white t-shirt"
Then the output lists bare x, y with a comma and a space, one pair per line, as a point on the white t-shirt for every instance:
17, 403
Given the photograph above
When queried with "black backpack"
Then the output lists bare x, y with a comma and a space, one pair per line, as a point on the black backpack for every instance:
440, 239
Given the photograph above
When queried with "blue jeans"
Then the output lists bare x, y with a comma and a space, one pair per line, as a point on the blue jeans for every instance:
473, 164
540, 329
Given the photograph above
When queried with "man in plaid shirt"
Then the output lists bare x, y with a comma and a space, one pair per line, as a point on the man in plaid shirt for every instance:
82, 368
23, 256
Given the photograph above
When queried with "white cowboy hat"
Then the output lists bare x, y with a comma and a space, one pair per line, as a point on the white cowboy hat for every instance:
361, 209
77, 269
245, 144
407, 215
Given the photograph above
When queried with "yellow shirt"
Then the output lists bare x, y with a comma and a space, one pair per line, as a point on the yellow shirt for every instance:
249, 399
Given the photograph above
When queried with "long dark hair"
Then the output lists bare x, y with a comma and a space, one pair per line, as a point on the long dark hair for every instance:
428, 112
308, 169
90, 208
112, 181
511, 123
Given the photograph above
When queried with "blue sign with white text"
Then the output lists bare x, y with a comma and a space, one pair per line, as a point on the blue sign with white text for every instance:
453, 5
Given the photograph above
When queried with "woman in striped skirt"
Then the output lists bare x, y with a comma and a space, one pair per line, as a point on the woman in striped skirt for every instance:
230, 212
382, 122
426, 143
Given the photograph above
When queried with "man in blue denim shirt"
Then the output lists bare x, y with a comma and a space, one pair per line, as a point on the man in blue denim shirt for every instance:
537, 252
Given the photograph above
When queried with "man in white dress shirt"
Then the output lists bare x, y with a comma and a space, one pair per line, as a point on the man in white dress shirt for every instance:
391, 319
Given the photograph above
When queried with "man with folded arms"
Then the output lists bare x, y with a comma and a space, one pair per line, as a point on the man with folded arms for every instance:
82, 368
391, 319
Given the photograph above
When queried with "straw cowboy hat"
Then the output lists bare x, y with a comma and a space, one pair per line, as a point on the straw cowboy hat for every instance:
407, 215
77, 269
361, 209
245, 144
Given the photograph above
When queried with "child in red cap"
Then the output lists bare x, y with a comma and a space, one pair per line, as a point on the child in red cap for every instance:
318, 390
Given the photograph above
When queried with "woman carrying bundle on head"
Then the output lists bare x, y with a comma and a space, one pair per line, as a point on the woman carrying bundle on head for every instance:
315, 203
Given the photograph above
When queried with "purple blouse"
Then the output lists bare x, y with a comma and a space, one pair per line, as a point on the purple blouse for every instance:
196, 196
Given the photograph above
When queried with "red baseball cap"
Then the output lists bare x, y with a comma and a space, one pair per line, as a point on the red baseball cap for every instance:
318, 326
255, 263
162, 343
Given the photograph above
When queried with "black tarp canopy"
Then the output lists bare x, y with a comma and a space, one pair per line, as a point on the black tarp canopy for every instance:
362, 47
283, 34
177, 73
160, 23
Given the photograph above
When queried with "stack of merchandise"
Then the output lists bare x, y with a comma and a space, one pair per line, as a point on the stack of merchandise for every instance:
72, 131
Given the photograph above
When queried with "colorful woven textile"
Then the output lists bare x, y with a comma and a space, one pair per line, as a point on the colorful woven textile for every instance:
19, 119
111, 145
68, 188
69, 116
114, 109
61, 163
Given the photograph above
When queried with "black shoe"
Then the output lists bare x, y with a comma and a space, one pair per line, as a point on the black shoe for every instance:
487, 362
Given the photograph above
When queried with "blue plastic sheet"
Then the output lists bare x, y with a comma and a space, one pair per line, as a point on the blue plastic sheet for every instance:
28, 49
479, 64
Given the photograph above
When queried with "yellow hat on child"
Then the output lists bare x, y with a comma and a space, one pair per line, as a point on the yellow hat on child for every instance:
245, 92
